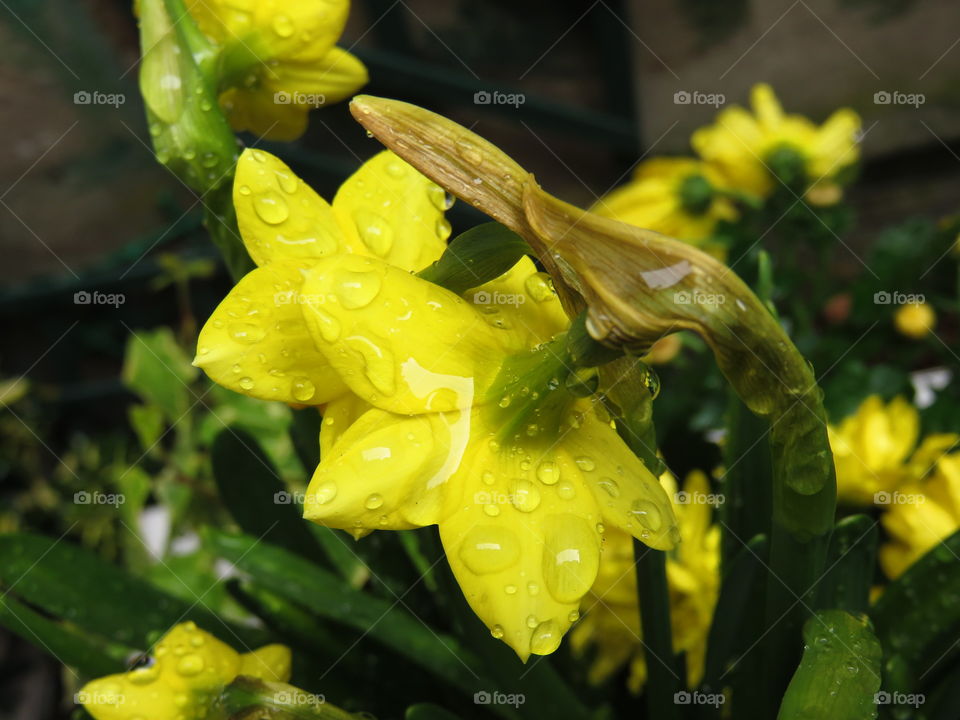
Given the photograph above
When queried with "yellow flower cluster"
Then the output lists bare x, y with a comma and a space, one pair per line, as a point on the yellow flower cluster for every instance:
742, 155
611, 622
429, 416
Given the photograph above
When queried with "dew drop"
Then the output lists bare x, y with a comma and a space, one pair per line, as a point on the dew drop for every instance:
246, 383
538, 287
533, 589
357, 289
491, 510
287, 181
647, 514
374, 501
271, 207
303, 389
570, 557
510, 589
525, 495
548, 472
190, 665
396, 169
443, 228
565, 490
375, 231
586, 463
497, 632
609, 486
246, 333
532, 621
546, 638
325, 493
488, 549
283, 26
328, 325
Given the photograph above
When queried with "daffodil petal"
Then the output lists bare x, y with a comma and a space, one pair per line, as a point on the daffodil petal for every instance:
258, 111
301, 30
630, 497
401, 343
271, 663
390, 211
524, 552
279, 215
523, 302
335, 77
338, 415
388, 472
257, 343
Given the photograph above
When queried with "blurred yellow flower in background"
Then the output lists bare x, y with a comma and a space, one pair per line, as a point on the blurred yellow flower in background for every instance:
611, 623
675, 196
915, 320
875, 450
181, 679
921, 515
277, 60
751, 150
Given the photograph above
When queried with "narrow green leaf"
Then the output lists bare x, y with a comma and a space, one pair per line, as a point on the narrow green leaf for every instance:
61, 642
428, 711
840, 671
477, 256
305, 434
851, 561
663, 673
157, 369
72, 583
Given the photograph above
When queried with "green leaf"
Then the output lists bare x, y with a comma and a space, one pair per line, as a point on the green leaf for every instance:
481, 254
388, 622
428, 711
69, 582
61, 642
256, 498
663, 670
147, 422
305, 434
158, 370
840, 671
851, 560
917, 616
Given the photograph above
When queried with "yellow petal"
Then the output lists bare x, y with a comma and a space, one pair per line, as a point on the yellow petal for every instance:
390, 211
257, 343
257, 110
338, 415
388, 472
401, 343
301, 30
522, 301
334, 77
630, 497
271, 663
766, 106
279, 215
524, 552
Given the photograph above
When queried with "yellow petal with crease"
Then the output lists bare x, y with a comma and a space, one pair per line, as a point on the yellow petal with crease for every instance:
401, 343
390, 211
279, 215
334, 77
271, 663
338, 415
257, 343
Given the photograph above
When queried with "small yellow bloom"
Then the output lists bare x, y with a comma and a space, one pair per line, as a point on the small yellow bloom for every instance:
675, 196
521, 482
915, 320
256, 342
277, 60
611, 623
875, 450
923, 514
747, 149
181, 679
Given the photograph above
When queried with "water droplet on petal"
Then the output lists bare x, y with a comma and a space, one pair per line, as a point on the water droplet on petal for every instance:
488, 549
375, 231
533, 588
374, 501
548, 472
190, 665
566, 490
283, 26
357, 289
303, 389
586, 463
271, 207
570, 557
497, 632
546, 638
609, 486
396, 169
246, 383
647, 514
246, 333
325, 493
525, 495
538, 287
287, 181
443, 228
510, 589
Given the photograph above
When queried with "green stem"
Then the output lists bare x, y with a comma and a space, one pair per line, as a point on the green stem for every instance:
663, 678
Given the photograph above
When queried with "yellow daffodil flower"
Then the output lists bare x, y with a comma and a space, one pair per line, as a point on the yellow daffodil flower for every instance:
521, 476
611, 622
257, 342
751, 150
675, 196
921, 515
277, 60
181, 679
875, 450
915, 320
